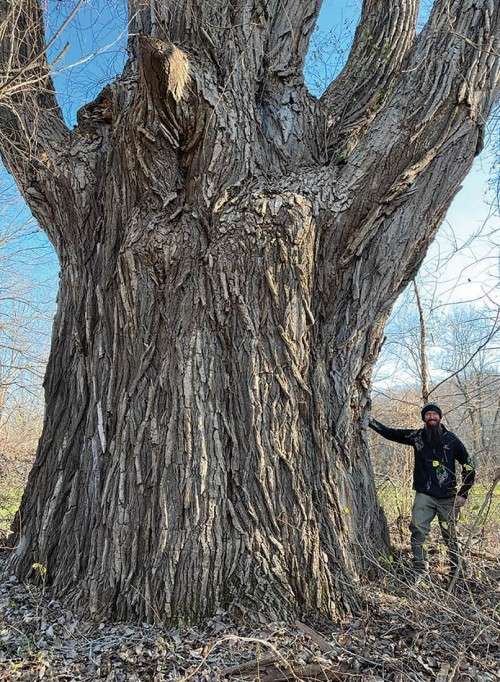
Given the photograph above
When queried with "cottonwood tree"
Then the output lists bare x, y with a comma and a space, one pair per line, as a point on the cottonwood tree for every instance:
230, 247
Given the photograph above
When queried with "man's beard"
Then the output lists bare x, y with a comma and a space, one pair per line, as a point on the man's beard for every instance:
434, 434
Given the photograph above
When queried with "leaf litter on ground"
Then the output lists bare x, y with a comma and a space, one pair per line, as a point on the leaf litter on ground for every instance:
403, 633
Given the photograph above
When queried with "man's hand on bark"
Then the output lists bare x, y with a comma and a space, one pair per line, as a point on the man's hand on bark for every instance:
460, 501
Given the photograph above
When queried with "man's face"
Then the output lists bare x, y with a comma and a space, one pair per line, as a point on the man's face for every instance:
432, 418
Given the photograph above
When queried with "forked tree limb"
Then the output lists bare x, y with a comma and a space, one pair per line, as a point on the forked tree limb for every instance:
289, 27
395, 187
441, 100
26, 88
405, 122
245, 58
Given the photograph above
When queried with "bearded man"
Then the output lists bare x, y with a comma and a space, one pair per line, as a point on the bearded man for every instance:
436, 450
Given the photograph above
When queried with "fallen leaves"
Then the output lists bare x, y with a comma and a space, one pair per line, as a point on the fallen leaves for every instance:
403, 635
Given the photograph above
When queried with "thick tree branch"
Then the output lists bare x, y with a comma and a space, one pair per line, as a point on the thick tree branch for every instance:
32, 131
384, 35
290, 26
445, 95
437, 111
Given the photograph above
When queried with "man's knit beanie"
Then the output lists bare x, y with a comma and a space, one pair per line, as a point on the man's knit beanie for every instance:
431, 407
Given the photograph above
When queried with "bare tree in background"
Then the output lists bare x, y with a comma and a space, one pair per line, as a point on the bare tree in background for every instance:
24, 345
422, 347
23, 313
463, 375
469, 356
230, 248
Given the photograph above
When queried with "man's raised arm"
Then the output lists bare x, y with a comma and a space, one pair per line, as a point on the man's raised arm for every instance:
404, 436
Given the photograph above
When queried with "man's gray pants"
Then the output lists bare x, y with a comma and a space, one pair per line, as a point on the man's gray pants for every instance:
425, 508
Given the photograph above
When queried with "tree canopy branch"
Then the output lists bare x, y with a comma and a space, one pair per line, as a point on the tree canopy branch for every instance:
260, 45
383, 37
442, 100
32, 131
290, 27
397, 184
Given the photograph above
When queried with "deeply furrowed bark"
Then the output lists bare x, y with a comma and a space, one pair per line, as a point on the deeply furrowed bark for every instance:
190, 475
221, 304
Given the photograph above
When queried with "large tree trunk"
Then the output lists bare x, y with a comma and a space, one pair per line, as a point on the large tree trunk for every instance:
206, 459
224, 285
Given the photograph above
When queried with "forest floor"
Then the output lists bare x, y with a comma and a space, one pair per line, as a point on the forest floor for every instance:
402, 633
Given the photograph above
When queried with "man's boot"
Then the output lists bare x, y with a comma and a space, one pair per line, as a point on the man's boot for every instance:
420, 572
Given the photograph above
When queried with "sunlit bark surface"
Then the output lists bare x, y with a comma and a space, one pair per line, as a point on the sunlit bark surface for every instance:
230, 248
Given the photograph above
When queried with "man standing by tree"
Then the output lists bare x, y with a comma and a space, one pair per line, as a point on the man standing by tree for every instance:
436, 449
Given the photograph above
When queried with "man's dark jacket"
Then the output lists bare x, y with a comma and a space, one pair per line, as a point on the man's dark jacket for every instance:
434, 470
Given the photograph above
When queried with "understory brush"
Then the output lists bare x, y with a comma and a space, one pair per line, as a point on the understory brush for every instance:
402, 631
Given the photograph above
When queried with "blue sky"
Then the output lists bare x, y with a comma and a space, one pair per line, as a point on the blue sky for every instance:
96, 52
